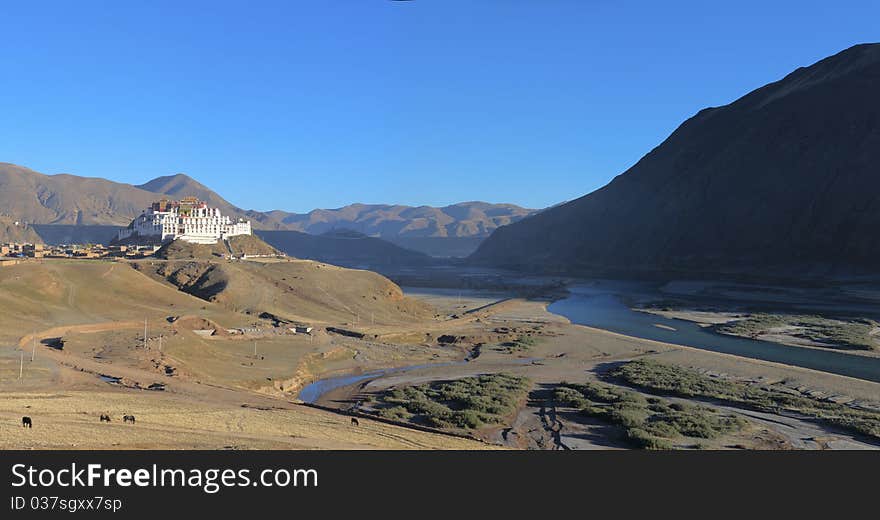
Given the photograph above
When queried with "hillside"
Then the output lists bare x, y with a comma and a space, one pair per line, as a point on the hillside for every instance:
343, 248
12, 230
39, 295
782, 181
466, 219
237, 246
294, 290
439, 247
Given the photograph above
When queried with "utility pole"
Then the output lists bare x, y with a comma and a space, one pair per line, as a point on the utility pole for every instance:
255, 350
21, 365
145, 333
34, 348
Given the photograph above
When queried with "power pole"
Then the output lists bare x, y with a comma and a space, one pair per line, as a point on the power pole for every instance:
34, 348
255, 350
21, 365
145, 333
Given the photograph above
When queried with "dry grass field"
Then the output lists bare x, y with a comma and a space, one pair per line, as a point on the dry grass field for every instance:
217, 395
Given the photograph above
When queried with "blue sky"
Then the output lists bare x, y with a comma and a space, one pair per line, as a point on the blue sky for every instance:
302, 104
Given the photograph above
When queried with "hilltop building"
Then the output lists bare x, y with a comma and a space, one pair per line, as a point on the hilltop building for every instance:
189, 219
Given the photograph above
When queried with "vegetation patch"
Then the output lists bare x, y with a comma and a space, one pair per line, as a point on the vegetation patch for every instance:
466, 403
852, 334
521, 344
690, 383
651, 423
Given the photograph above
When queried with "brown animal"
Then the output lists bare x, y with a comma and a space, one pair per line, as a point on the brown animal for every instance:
354, 421
105, 418
128, 419
26, 422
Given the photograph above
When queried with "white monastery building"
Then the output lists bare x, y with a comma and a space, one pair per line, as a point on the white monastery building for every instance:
189, 219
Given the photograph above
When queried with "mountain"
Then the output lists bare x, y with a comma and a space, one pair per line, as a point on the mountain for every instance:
55, 234
785, 180
343, 247
73, 200
180, 185
439, 247
466, 219
68, 199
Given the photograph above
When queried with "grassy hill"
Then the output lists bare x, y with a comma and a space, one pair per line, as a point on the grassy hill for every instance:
294, 290
39, 295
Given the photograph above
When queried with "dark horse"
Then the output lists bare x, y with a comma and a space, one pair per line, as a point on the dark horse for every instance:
105, 418
26, 422
354, 421
128, 418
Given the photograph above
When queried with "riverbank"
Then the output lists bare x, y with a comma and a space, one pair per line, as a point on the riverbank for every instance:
571, 352
608, 307
784, 328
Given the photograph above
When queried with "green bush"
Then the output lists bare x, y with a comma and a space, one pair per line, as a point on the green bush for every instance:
689, 383
465, 403
643, 439
647, 422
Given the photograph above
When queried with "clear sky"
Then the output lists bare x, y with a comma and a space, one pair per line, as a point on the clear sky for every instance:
302, 104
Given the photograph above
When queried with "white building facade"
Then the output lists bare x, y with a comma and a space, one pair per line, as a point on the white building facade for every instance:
190, 220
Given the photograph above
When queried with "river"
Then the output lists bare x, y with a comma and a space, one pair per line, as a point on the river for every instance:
601, 306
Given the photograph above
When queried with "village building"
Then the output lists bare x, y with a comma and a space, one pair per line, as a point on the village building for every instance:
189, 219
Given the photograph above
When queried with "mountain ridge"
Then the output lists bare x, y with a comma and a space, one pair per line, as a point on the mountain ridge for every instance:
463, 219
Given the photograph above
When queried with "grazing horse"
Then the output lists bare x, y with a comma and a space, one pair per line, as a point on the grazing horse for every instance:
354, 421
26, 422
128, 419
105, 418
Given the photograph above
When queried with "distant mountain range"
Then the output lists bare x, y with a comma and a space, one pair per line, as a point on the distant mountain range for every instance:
783, 181
466, 219
65, 199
